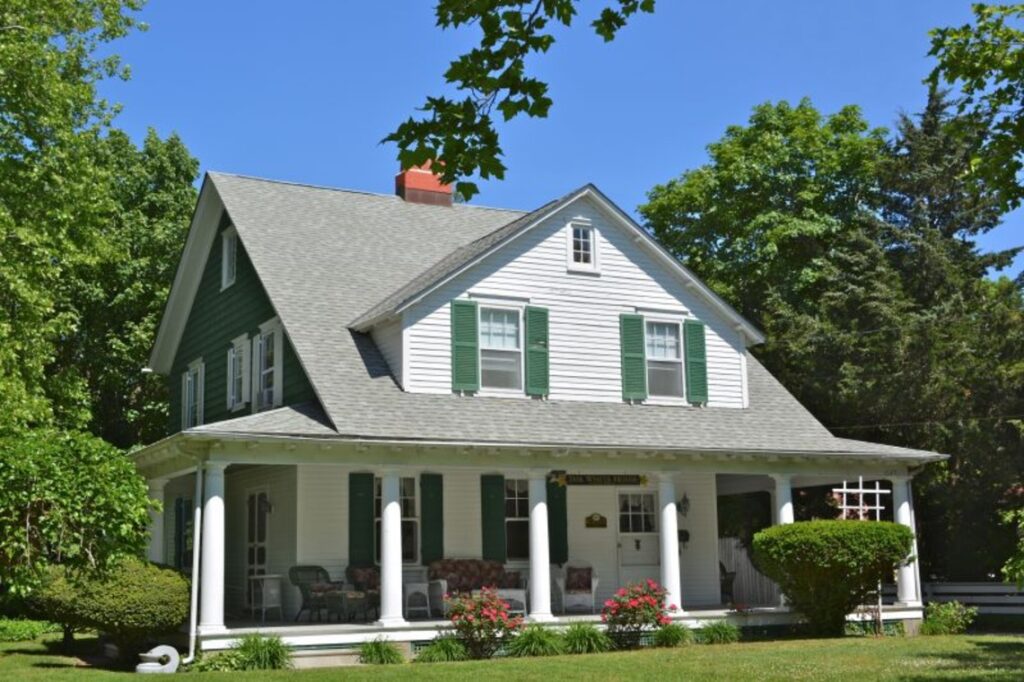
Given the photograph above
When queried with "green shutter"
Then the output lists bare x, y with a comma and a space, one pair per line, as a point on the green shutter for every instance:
634, 357
536, 351
465, 339
360, 519
492, 517
696, 362
431, 518
558, 523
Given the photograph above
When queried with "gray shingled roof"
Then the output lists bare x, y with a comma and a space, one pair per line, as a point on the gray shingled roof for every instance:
328, 256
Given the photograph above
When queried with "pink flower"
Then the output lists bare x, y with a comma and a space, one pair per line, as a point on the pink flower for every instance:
609, 602
621, 592
673, 607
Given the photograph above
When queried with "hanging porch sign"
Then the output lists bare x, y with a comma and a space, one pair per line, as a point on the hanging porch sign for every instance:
562, 478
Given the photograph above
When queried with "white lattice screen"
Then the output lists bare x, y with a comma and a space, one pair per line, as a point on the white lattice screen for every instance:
860, 503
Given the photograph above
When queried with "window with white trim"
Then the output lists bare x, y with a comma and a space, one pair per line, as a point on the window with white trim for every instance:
501, 358
636, 513
267, 354
664, 359
517, 518
192, 395
581, 243
410, 518
238, 373
228, 257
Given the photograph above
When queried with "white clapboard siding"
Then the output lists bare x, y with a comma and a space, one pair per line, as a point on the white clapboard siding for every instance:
584, 311
388, 338
989, 598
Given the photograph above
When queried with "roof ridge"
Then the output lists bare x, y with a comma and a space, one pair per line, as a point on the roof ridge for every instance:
310, 185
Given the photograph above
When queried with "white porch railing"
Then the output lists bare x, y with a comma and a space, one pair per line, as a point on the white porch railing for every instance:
989, 598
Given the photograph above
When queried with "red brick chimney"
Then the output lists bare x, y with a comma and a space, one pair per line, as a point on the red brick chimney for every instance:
420, 186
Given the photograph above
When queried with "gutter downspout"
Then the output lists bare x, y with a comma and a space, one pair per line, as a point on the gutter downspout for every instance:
197, 524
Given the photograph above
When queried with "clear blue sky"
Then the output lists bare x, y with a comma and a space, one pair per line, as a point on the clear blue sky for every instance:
304, 91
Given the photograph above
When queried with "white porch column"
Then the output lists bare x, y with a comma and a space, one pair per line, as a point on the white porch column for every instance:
540, 565
390, 551
670, 579
156, 521
211, 575
908, 578
783, 511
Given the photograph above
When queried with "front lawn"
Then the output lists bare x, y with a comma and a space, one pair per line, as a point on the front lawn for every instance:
967, 657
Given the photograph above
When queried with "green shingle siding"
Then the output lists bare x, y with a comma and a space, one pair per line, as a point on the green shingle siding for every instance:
216, 319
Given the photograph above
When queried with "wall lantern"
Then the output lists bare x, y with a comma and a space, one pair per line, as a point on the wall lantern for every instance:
684, 505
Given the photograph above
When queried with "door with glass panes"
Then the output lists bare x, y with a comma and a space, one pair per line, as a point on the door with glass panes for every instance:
258, 511
638, 536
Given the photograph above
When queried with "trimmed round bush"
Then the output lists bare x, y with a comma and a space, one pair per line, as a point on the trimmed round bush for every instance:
133, 602
827, 569
584, 638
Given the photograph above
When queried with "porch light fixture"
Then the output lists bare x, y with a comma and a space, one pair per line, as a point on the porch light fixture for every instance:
684, 505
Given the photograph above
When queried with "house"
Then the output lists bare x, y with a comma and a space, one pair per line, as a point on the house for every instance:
362, 380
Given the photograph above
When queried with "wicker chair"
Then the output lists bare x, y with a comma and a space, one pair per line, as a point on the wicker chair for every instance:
577, 586
314, 583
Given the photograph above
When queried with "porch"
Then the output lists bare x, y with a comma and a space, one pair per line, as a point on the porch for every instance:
263, 514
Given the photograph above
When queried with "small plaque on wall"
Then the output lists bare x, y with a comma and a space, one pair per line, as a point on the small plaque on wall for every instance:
596, 520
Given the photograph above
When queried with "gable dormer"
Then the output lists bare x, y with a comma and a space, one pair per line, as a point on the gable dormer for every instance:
573, 303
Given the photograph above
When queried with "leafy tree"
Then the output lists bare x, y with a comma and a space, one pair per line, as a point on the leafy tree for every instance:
66, 498
986, 61
458, 136
854, 251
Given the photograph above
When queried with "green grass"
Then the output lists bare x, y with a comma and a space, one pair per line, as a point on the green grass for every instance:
964, 657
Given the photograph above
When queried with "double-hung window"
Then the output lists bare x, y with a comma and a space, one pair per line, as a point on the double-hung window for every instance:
192, 395
664, 359
228, 257
267, 350
582, 246
501, 357
517, 518
238, 373
410, 518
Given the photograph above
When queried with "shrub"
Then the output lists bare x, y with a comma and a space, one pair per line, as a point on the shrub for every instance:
672, 635
253, 652
827, 569
536, 640
584, 638
24, 630
950, 618
133, 602
718, 632
444, 649
380, 652
482, 622
634, 610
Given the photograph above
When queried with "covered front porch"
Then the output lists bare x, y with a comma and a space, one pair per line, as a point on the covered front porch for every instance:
253, 509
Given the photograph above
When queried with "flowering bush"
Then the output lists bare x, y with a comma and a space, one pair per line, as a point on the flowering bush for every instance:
633, 610
481, 622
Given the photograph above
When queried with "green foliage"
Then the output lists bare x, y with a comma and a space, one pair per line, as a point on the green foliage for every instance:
634, 610
536, 640
584, 638
25, 630
133, 601
718, 632
380, 652
855, 251
253, 652
672, 635
481, 622
458, 136
1013, 569
827, 569
949, 618
986, 63
443, 649
66, 498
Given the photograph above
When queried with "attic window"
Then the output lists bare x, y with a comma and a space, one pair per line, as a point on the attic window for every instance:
582, 246
229, 257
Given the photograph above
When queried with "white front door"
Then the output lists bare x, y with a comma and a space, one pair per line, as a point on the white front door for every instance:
636, 519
